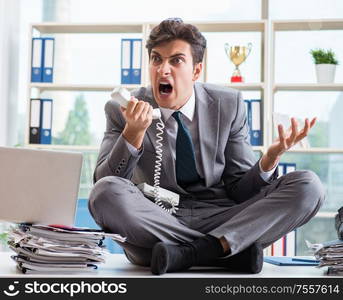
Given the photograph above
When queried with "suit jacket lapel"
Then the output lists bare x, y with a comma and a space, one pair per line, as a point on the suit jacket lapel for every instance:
208, 125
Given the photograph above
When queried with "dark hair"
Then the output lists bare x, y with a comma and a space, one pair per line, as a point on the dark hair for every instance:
174, 29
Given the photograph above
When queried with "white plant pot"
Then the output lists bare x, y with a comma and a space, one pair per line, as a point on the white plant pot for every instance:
325, 73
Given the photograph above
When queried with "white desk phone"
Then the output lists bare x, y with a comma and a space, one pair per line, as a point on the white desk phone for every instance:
167, 200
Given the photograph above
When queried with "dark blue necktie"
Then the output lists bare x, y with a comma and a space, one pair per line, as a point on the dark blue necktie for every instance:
186, 172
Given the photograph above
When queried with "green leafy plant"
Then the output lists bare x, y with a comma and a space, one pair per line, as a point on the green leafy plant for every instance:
322, 56
3, 238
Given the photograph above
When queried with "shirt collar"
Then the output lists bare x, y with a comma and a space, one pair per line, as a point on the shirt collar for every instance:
187, 109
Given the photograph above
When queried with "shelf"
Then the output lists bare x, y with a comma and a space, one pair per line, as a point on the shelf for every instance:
220, 26
317, 150
258, 148
305, 150
80, 87
244, 86
326, 214
91, 148
321, 24
106, 88
226, 26
308, 87
64, 147
50, 28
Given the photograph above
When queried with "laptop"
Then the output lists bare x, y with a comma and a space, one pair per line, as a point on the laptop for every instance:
39, 186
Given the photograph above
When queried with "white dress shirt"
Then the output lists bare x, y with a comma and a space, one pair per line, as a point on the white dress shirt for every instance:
190, 120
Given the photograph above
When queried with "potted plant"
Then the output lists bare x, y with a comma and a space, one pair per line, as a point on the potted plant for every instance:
326, 62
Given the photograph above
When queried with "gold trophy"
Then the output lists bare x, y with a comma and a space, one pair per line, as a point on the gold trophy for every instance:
237, 54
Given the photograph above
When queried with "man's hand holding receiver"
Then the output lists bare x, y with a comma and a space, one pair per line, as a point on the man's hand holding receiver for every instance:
138, 117
285, 141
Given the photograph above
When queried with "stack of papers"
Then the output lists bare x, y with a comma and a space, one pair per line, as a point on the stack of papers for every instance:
46, 249
330, 254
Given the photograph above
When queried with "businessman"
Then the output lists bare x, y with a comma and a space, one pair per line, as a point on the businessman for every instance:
231, 207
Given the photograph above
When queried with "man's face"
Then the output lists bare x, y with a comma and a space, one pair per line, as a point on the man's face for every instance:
172, 73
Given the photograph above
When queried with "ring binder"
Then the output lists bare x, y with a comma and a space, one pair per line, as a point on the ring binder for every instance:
35, 112
131, 61
36, 60
256, 128
48, 59
136, 61
253, 111
46, 121
126, 61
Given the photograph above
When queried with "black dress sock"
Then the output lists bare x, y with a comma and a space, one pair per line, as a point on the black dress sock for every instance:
249, 260
171, 258
206, 249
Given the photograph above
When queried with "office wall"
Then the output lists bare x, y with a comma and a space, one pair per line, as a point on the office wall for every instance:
9, 20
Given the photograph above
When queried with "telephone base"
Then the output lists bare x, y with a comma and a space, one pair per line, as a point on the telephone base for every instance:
164, 194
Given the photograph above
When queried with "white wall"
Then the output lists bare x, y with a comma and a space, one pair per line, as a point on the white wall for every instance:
3, 83
9, 30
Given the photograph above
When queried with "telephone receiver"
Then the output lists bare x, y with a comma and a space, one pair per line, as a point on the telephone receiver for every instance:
167, 200
123, 96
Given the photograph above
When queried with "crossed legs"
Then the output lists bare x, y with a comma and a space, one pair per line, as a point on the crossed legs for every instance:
289, 202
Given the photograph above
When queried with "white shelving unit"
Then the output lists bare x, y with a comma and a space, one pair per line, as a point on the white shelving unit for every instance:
79, 87
41, 29
52, 28
64, 147
307, 87
267, 87
302, 25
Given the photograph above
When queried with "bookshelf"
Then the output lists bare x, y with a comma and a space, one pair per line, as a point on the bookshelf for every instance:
274, 87
311, 26
52, 29
267, 87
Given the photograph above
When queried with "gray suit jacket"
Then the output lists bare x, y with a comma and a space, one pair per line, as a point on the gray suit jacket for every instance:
230, 168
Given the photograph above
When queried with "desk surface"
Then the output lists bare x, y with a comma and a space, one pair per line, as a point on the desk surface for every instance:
118, 266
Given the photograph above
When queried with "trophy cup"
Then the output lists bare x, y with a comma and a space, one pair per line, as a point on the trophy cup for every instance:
237, 54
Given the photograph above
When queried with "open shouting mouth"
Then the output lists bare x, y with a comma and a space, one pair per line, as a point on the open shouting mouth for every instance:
165, 88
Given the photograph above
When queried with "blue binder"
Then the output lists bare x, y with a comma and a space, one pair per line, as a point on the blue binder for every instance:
290, 167
131, 61
285, 168
48, 59
126, 61
46, 121
136, 61
37, 60
256, 122
248, 113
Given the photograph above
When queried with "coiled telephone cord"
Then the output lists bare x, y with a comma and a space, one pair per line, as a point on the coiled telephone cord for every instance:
164, 204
